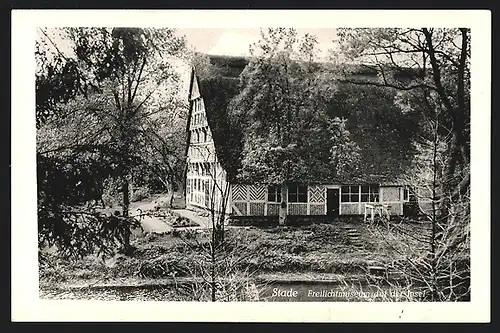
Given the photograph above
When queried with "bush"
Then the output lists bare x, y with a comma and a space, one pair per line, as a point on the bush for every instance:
183, 222
139, 194
163, 267
111, 192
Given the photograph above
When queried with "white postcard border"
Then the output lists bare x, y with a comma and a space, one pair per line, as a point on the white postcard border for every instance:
26, 306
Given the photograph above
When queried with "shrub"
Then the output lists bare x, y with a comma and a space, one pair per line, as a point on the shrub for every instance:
139, 194
163, 267
183, 222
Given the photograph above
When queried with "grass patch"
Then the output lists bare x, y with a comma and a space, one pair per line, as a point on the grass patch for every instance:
296, 251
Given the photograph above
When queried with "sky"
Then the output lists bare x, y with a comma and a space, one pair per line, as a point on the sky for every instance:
219, 41
236, 41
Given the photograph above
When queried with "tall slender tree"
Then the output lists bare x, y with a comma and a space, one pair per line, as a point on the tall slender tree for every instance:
430, 70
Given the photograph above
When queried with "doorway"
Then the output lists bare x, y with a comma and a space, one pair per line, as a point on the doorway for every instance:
332, 202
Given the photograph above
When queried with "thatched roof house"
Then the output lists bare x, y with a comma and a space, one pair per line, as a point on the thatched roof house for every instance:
385, 144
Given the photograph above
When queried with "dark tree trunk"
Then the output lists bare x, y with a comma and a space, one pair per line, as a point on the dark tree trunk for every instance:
283, 205
125, 214
170, 190
125, 196
171, 203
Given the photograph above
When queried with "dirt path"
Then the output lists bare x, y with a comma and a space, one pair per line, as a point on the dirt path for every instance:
150, 223
154, 224
201, 220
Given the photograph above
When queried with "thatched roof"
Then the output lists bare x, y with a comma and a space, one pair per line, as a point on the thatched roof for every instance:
219, 88
217, 91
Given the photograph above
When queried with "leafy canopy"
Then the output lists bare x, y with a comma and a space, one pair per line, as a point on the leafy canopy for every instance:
105, 109
284, 94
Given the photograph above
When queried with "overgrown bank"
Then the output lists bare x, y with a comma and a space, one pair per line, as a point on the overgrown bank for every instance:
314, 252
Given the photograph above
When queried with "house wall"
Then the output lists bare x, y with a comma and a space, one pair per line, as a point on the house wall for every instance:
424, 196
425, 207
206, 186
390, 193
316, 195
251, 200
350, 208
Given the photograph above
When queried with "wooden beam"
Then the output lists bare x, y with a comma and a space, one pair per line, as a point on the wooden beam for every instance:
236, 209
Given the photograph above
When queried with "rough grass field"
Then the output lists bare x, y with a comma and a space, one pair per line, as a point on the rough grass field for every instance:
316, 252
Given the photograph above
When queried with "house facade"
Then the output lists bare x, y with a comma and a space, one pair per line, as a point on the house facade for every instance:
317, 199
208, 186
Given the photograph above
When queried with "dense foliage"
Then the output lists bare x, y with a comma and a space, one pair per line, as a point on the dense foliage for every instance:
384, 131
283, 99
366, 141
107, 115
227, 128
433, 67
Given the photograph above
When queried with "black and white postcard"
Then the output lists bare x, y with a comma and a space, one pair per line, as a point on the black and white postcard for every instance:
251, 165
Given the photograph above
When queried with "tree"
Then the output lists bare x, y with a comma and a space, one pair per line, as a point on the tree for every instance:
432, 67
116, 83
136, 64
384, 130
163, 145
430, 70
283, 101
217, 255
437, 259
445, 266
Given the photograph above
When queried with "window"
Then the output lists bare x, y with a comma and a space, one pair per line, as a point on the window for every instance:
274, 193
204, 135
369, 193
350, 193
297, 193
